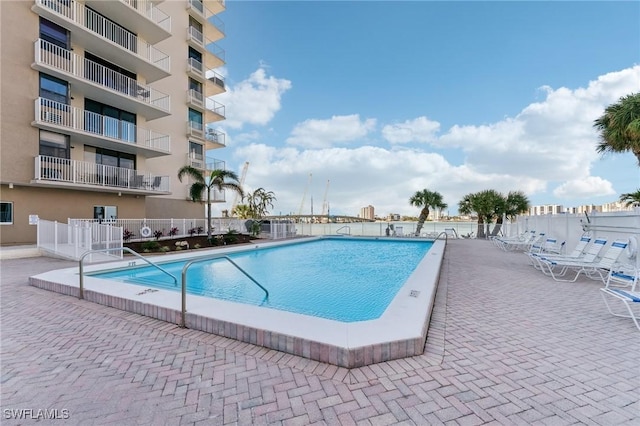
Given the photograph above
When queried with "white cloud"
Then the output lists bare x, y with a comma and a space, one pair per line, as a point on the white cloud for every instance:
547, 148
315, 133
591, 186
419, 129
255, 100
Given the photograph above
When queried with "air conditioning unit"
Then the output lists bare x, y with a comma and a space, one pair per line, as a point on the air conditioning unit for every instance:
52, 117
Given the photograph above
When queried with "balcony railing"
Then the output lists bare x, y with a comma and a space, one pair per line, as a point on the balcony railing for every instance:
207, 15
82, 16
148, 9
92, 124
196, 37
85, 173
199, 162
63, 60
197, 130
215, 137
198, 99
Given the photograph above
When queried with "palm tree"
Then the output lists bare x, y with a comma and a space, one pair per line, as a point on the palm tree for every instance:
426, 199
619, 126
217, 179
631, 198
259, 201
515, 203
242, 211
485, 204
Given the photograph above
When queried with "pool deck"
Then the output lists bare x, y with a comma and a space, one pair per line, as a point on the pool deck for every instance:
506, 345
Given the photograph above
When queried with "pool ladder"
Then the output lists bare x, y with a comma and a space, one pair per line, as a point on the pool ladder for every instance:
131, 264
183, 322
175, 280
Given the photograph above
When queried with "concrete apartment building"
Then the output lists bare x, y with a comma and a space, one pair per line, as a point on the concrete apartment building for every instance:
367, 212
102, 102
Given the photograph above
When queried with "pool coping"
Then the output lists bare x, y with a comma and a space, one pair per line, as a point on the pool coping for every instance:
400, 332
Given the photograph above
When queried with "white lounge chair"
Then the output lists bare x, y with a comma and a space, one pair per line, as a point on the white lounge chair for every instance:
576, 253
597, 268
622, 285
500, 241
523, 245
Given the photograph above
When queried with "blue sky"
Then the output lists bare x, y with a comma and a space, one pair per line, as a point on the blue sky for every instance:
386, 98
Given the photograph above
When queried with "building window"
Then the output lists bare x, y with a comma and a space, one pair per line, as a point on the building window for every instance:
6, 213
109, 121
194, 85
54, 144
54, 89
107, 157
105, 213
195, 119
194, 54
54, 33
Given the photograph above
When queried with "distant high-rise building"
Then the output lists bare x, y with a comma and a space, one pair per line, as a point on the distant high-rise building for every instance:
102, 103
367, 212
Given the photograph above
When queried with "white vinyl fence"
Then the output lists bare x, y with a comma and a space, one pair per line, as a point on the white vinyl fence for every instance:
73, 240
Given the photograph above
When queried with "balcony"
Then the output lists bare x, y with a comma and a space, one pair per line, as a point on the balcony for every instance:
99, 130
213, 111
99, 82
217, 195
199, 162
83, 175
213, 138
215, 6
197, 40
106, 39
212, 24
213, 81
149, 21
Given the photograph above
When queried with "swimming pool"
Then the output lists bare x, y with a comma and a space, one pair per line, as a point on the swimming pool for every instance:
335, 278
400, 331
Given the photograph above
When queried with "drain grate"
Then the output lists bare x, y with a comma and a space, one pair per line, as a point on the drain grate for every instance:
414, 293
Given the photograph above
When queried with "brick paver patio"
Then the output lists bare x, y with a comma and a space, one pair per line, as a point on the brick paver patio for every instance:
506, 345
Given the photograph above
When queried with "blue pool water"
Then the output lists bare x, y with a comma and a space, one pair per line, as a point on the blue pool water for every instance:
335, 278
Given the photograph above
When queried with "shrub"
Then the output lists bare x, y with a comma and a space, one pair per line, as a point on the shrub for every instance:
230, 237
127, 235
157, 234
149, 246
178, 248
165, 249
197, 246
196, 231
173, 231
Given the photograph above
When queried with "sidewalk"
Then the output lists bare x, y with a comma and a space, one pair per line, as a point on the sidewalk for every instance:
506, 345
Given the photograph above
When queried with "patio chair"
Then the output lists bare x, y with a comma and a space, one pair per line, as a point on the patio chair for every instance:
499, 241
622, 285
577, 252
594, 269
523, 245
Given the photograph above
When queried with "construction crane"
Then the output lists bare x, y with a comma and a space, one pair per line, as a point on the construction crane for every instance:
304, 196
237, 197
325, 204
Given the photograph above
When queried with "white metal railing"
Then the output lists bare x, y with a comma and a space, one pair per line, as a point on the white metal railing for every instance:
132, 229
200, 8
196, 98
196, 160
87, 18
53, 56
194, 35
215, 106
216, 78
216, 137
149, 10
73, 239
86, 173
87, 122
